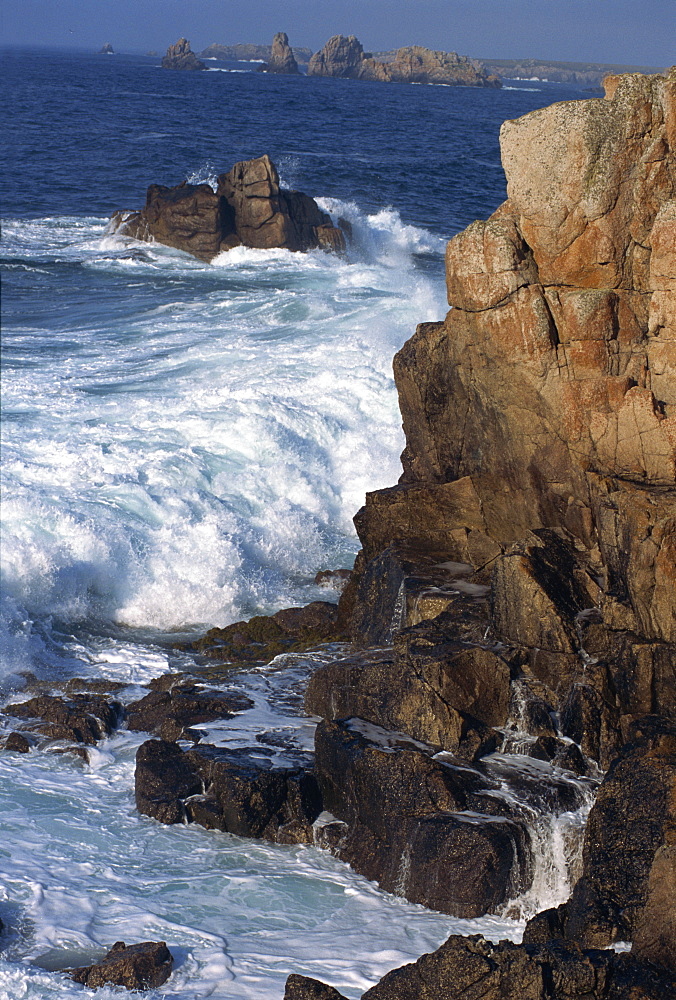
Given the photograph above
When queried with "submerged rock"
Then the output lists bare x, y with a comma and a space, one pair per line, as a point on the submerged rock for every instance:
181, 56
142, 966
249, 208
169, 712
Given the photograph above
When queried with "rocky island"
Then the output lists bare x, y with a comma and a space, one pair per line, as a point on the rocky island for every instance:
248, 208
345, 57
282, 59
180, 56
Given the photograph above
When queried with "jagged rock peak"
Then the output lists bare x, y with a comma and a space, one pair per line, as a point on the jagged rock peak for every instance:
341, 56
181, 56
282, 59
107, 50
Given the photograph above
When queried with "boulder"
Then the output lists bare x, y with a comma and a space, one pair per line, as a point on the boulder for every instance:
170, 712
282, 59
304, 988
226, 790
249, 208
142, 966
412, 823
181, 56
83, 718
17, 743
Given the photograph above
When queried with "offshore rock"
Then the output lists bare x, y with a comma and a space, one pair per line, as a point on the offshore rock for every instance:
304, 988
345, 57
341, 56
226, 790
249, 208
142, 966
282, 59
181, 56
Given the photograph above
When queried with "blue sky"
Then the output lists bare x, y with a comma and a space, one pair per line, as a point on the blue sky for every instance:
636, 32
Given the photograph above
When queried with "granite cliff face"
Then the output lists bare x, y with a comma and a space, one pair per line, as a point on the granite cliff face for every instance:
345, 57
181, 56
248, 208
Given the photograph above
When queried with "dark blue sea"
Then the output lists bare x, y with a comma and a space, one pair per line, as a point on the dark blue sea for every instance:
185, 444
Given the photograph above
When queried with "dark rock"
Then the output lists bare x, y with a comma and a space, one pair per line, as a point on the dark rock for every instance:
281, 59
303, 988
226, 790
563, 754
94, 685
655, 933
634, 811
181, 56
18, 743
249, 208
164, 779
471, 968
83, 718
261, 638
168, 713
142, 966
410, 821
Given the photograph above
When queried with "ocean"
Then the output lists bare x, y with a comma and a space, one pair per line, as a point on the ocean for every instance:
185, 445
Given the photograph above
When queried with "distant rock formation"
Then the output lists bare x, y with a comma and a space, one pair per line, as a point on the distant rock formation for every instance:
181, 56
341, 56
107, 50
345, 57
249, 208
580, 74
250, 53
281, 59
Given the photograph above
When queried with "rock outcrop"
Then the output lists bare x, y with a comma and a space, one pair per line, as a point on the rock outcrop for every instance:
181, 56
282, 59
475, 969
249, 208
142, 966
107, 50
345, 57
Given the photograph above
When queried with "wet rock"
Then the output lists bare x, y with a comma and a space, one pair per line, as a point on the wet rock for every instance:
82, 718
282, 59
261, 638
164, 779
475, 969
634, 812
563, 754
248, 208
221, 789
180, 56
169, 712
410, 821
655, 934
304, 988
142, 966
334, 578
17, 743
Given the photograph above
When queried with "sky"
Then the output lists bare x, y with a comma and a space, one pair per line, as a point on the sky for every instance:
632, 32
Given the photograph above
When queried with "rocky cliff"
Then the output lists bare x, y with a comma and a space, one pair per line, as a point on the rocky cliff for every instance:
522, 574
248, 208
181, 56
345, 57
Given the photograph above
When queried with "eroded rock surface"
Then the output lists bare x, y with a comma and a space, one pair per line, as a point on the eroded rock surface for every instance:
282, 59
180, 56
249, 208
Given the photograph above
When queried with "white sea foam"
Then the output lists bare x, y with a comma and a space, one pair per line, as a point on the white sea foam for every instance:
185, 459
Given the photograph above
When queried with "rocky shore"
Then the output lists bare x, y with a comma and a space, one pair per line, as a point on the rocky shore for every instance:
509, 628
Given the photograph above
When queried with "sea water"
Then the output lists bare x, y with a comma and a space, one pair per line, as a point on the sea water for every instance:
184, 445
